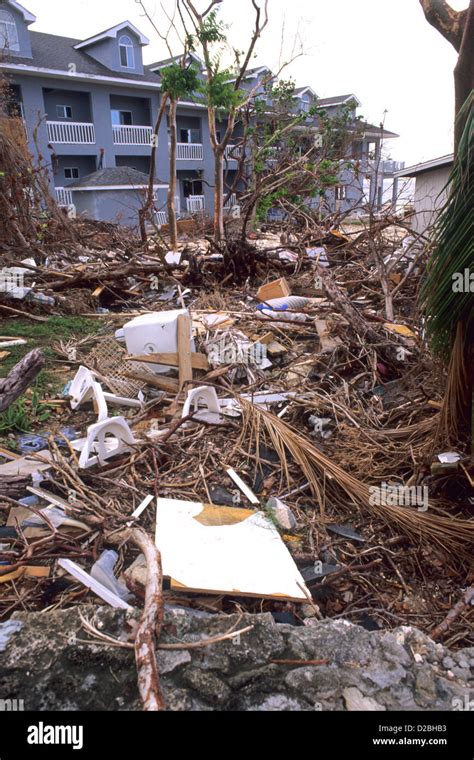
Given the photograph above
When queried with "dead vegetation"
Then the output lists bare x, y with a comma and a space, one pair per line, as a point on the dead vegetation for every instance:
352, 420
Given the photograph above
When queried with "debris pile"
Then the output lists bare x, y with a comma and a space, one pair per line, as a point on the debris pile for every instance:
252, 428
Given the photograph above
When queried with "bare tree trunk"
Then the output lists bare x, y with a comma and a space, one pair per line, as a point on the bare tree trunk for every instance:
464, 74
218, 196
20, 378
145, 210
458, 28
173, 226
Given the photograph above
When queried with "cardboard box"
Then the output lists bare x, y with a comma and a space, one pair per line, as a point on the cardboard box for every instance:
275, 289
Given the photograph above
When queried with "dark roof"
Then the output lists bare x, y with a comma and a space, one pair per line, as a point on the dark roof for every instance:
335, 99
299, 90
53, 52
116, 175
426, 166
169, 61
377, 129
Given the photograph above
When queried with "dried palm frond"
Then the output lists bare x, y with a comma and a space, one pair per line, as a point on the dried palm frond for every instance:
444, 304
450, 533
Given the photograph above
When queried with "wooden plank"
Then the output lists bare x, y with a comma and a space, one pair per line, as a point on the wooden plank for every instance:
198, 361
162, 383
184, 349
275, 289
327, 343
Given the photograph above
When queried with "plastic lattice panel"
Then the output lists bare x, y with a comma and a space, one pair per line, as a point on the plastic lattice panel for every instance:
108, 358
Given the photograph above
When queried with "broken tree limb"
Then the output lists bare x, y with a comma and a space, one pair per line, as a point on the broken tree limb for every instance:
151, 621
20, 378
13, 486
466, 600
89, 278
344, 306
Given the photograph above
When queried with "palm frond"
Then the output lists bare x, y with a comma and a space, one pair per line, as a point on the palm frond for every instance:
450, 533
444, 300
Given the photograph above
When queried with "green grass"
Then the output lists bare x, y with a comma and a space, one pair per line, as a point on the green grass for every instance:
39, 335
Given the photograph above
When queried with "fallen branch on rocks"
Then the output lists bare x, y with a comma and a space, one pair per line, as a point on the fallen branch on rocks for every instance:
466, 600
20, 378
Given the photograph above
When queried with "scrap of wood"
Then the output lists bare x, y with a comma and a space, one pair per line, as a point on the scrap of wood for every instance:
25, 314
11, 342
275, 289
98, 291
9, 454
466, 600
26, 571
198, 361
168, 384
184, 349
4, 354
20, 378
327, 343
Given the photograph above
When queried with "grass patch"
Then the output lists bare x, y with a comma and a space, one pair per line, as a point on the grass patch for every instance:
22, 416
40, 335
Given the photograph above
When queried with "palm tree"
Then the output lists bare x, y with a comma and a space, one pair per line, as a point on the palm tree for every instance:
447, 295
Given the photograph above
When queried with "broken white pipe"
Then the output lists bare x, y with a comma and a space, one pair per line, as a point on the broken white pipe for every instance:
141, 508
87, 580
282, 316
243, 487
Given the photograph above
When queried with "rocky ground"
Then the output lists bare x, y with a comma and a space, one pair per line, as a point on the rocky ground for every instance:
51, 662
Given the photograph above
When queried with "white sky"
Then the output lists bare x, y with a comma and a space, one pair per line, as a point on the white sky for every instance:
383, 51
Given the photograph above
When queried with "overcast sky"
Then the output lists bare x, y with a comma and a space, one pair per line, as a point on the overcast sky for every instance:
383, 51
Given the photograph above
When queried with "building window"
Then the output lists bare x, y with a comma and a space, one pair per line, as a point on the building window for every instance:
305, 105
127, 55
192, 187
372, 150
121, 118
71, 172
8, 32
341, 193
64, 112
189, 136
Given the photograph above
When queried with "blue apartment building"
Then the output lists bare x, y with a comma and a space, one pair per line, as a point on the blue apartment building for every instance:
89, 107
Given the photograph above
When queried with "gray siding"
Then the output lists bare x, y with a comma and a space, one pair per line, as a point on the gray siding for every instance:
107, 52
85, 164
120, 206
79, 102
22, 30
139, 107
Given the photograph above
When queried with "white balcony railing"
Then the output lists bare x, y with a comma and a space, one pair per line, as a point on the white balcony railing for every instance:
233, 152
195, 203
161, 217
132, 135
231, 202
63, 196
189, 152
71, 132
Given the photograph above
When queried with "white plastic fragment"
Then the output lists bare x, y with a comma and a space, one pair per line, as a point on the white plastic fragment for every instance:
95, 449
243, 487
103, 572
98, 588
141, 508
204, 395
